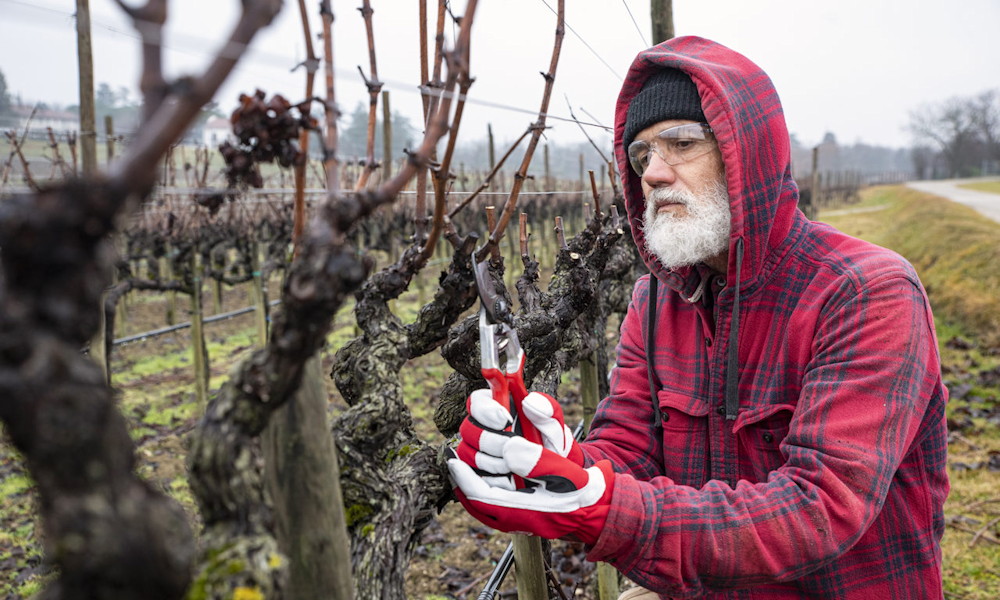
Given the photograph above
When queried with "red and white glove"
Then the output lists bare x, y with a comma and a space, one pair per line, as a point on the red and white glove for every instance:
488, 428
562, 500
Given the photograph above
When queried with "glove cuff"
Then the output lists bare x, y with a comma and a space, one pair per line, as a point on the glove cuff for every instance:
597, 514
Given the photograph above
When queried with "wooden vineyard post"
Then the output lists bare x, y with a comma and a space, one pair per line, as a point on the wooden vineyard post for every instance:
492, 148
386, 138
548, 169
109, 139
168, 273
529, 568
814, 186
607, 576
98, 347
218, 263
121, 311
100, 352
259, 296
513, 258
302, 458
121, 307
662, 17
85, 63
198, 350
216, 296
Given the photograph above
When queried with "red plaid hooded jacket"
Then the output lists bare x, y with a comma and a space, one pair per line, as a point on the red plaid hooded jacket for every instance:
824, 477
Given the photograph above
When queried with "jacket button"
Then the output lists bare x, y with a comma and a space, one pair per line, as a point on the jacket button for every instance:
708, 342
768, 437
721, 410
664, 415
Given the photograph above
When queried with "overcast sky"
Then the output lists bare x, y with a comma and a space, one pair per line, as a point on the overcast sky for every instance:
851, 67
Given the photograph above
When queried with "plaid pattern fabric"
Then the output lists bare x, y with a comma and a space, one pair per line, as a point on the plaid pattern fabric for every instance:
831, 481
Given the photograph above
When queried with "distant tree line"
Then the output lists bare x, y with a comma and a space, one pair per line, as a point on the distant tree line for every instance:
863, 159
959, 137
4, 96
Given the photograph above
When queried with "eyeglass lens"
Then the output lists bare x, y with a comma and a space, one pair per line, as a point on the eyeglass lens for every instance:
673, 146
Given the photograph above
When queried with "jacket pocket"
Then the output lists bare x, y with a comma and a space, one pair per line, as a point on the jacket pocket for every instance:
760, 433
685, 438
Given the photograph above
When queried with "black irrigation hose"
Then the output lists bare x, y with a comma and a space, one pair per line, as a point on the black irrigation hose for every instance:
507, 558
172, 328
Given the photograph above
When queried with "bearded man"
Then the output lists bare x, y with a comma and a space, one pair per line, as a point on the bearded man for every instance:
776, 424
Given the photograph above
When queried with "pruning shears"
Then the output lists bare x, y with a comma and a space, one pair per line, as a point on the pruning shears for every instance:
497, 335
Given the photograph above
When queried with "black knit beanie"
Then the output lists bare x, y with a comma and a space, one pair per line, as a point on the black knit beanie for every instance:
669, 94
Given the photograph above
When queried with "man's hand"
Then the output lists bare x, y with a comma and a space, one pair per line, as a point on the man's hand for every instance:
488, 428
562, 500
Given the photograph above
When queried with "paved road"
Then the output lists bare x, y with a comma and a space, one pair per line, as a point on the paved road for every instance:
984, 202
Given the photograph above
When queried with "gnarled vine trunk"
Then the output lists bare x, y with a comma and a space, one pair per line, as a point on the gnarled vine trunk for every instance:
110, 534
393, 482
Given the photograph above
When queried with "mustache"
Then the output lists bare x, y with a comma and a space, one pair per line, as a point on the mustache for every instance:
663, 195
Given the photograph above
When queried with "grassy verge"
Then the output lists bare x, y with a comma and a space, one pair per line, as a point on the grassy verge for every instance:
955, 250
992, 187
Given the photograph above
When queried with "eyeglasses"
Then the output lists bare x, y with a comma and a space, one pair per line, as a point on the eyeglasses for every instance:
674, 146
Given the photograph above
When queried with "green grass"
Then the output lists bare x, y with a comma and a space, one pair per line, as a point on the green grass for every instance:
170, 416
154, 364
992, 187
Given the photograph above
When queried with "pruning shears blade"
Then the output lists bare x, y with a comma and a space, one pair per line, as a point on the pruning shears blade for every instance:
497, 335
493, 303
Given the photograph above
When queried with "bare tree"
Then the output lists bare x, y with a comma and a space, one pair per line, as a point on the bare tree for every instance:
965, 131
985, 109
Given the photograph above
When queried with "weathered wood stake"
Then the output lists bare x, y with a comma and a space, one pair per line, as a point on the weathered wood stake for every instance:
386, 138
168, 273
301, 458
259, 295
607, 576
529, 568
198, 351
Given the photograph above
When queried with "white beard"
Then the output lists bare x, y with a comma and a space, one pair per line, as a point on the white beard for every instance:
691, 239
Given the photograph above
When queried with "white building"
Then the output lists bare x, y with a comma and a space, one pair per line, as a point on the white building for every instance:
215, 131
37, 121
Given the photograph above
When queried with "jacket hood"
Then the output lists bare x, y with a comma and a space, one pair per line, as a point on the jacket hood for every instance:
743, 109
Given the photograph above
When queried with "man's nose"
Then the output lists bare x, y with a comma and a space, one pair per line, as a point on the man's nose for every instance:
658, 173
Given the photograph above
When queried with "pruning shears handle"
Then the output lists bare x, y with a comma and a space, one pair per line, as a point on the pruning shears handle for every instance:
507, 381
